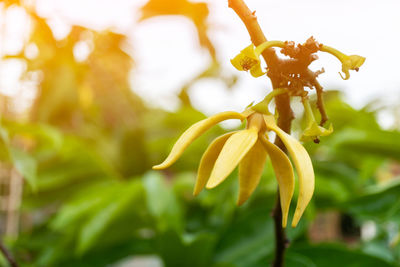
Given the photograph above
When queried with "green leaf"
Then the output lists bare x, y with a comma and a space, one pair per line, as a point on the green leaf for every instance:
298, 260
249, 239
374, 142
82, 206
162, 202
380, 202
26, 165
187, 250
124, 198
46, 134
333, 255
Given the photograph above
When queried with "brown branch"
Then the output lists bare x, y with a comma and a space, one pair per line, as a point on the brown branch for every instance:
273, 62
256, 34
281, 241
7, 255
320, 103
283, 107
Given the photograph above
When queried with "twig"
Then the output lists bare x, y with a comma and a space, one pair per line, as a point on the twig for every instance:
7, 255
320, 104
283, 107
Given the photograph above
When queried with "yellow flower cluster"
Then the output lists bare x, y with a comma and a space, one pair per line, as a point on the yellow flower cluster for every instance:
249, 59
248, 149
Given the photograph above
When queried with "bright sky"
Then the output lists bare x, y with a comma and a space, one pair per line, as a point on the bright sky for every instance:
167, 53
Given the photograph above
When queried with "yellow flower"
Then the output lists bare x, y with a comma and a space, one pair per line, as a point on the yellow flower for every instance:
313, 131
249, 58
248, 149
352, 62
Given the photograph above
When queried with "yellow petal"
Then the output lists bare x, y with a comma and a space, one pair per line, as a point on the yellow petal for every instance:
356, 61
250, 51
303, 166
235, 148
284, 174
246, 59
256, 70
207, 162
237, 62
250, 170
248, 111
353, 62
313, 131
192, 133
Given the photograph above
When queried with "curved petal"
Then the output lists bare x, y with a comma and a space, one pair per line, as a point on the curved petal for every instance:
246, 59
192, 133
352, 62
250, 171
256, 70
303, 166
314, 131
236, 62
207, 162
235, 148
284, 174
250, 51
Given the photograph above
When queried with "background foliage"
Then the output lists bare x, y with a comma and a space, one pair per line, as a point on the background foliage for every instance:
87, 144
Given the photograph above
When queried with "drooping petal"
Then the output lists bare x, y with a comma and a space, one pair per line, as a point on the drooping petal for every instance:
235, 148
194, 132
207, 162
313, 131
250, 171
256, 70
284, 174
353, 62
303, 166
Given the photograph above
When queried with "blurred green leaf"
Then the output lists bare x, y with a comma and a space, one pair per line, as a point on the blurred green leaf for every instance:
298, 260
248, 239
162, 203
187, 250
379, 202
334, 255
26, 165
122, 198
374, 142
81, 205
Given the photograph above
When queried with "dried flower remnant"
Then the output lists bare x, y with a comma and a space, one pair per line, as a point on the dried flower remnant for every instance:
248, 149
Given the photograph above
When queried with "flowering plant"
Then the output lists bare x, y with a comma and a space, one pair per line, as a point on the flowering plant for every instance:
248, 148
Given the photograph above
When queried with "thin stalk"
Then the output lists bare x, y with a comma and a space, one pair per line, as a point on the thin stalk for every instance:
7, 255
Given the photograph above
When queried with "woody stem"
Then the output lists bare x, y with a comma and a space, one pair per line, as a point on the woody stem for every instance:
282, 105
7, 255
